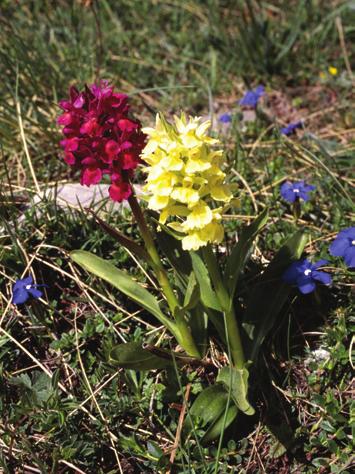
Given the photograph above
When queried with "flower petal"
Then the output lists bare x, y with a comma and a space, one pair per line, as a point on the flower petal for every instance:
22, 283
349, 233
323, 277
305, 284
35, 293
292, 273
20, 296
318, 264
349, 257
339, 246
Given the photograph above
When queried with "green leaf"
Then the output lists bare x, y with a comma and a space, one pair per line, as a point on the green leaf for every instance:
241, 251
269, 294
220, 424
209, 408
237, 381
131, 355
209, 404
177, 257
192, 293
208, 296
197, 320
108, 272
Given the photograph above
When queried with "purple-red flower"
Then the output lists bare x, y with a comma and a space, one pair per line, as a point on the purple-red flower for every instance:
101, 137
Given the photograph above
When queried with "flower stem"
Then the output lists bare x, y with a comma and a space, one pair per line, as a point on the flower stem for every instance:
182, 332
233, 333
153, 253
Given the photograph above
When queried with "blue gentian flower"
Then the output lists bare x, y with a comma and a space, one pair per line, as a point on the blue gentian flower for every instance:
225, 118
304, 274
294, 191
251, 98
23, 289
290, 128
344, 246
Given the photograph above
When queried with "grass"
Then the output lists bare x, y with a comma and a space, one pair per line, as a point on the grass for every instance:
64, 407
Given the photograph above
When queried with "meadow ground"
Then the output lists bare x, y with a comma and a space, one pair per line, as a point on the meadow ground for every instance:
63, 406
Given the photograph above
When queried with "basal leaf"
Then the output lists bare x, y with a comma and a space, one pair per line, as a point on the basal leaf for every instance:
209, 404
132, 356
220, 424
119, 279
237, 381
209, 408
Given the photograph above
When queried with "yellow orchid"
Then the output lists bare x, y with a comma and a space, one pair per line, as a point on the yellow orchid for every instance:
185, 179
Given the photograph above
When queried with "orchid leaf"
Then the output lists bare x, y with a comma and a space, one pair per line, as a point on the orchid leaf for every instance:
131, 355
123, 282
192, 293
177, 257
237, 381
220, 424
241, 251
209, 404
208, 410
269, 294
208, 296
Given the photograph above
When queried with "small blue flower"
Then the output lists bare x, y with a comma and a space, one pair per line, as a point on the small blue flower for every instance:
290, 128
225, 118
294, 191
344, 246
24, 289
304, 274
251, 98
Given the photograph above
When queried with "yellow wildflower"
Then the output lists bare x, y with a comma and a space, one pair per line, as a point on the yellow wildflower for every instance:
185, 179
332, 70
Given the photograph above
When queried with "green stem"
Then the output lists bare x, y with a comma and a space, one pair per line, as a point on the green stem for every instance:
233, 333
183, 333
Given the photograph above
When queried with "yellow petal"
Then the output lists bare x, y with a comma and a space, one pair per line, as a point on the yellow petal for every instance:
185, 195
158, 202
221, 193
192, 242
199, 217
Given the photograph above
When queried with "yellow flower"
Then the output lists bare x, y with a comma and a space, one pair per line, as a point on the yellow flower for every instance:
185, 181
332, 70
